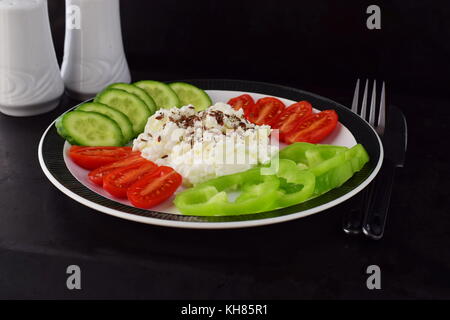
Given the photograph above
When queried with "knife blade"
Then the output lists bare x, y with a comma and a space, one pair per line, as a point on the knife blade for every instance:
395, 141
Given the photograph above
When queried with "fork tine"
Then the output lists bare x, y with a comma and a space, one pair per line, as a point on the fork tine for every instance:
364, 102
355, 98
382, 116
373, 104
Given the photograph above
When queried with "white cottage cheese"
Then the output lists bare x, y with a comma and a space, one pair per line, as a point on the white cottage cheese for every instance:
206, 144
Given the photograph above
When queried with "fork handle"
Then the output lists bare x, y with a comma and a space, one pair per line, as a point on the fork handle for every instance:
376, 212
352, 221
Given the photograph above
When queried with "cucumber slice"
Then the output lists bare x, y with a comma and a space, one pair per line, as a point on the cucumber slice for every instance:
189, 94
137, 91
129, 104
121, 119
163, 95
89, 129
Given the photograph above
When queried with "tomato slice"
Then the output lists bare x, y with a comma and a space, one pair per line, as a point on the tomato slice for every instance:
154, 187
119, 180
98, 174
93, 157
313, 128
265, 110
244, 101
291, 116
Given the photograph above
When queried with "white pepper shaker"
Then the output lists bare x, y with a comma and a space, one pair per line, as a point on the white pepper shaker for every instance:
93, 50
30, 80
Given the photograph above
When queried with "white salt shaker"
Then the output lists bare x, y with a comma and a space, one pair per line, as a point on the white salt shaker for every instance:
93, 50
30, 80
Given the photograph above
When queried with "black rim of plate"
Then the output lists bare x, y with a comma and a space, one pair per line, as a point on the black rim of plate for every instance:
52, 146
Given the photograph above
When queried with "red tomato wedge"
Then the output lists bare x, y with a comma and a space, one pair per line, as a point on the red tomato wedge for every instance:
98, 174
93, 157
119, 180
313, 128
244, 101
154, 187
265, 110
291, 116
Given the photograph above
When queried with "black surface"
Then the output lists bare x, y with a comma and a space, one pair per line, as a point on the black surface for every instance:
318, 46
42, 232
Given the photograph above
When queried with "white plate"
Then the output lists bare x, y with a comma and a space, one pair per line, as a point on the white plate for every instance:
72, 180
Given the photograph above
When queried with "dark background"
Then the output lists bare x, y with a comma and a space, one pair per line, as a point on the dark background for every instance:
309, 44
321, 46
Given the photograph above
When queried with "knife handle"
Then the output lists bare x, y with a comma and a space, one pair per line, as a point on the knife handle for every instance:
376, 213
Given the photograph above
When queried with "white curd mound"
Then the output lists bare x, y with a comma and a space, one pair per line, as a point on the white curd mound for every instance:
204, 145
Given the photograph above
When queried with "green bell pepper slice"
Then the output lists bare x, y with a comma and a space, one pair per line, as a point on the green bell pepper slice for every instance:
259, 193
296, 185
212, 198
335, 171
331, 165
357, 156
308, 154
305, 171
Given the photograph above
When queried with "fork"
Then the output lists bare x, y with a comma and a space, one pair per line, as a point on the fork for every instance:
356, 217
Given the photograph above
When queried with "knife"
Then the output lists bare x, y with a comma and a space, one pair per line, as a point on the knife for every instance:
395, 141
